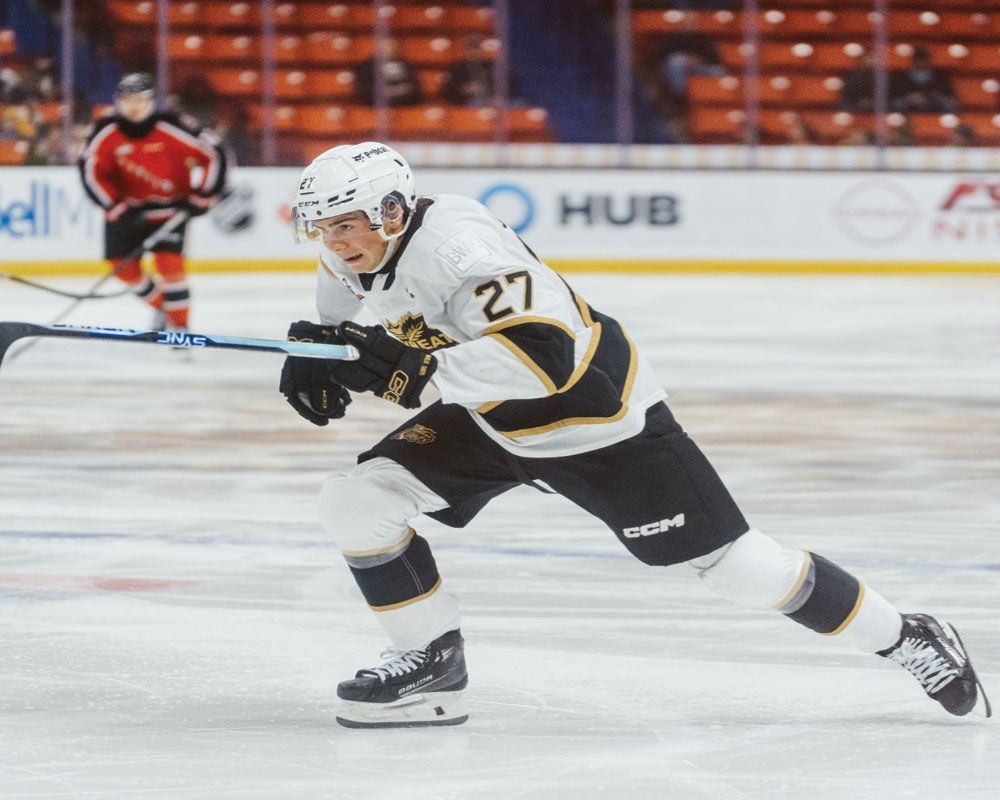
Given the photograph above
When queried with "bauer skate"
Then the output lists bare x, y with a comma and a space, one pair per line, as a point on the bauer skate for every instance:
415, 688
934, 654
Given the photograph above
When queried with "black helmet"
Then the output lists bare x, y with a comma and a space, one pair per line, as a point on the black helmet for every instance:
135, 83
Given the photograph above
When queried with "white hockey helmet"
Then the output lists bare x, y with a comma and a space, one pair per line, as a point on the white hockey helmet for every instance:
352, 177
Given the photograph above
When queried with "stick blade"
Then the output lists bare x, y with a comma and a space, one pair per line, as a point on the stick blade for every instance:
11, 332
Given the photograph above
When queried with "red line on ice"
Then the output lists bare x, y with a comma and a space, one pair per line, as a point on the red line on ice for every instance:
73, 583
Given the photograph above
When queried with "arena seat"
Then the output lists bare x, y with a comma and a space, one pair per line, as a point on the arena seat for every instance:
215, 47
977, 94
235, 82
13, 154
8, 42
431, 81
426, 122
430, 51
336, 120
287, 48
242, 15
801, 91
469, 19
336, 16
323, 47
285, 118
529, 125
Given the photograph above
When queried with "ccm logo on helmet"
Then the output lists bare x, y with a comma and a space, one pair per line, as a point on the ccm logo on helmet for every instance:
654, 527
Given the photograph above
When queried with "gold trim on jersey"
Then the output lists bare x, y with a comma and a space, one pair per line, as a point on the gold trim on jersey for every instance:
541, 374
402, 544
564, 423
509, 323
578, 373
411, 601
584, 365
494, 330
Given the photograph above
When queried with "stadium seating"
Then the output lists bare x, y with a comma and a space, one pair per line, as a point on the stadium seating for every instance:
317, 49
13, 154
8, 42
805, 47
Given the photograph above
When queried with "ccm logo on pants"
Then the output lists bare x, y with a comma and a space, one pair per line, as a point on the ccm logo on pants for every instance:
654, 527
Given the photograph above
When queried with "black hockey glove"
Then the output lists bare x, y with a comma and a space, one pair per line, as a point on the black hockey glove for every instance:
387, 367
307, 383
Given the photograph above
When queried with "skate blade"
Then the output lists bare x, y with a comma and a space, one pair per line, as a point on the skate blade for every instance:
982, 708
416, 711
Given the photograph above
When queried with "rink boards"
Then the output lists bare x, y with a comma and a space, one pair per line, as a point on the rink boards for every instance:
634, 220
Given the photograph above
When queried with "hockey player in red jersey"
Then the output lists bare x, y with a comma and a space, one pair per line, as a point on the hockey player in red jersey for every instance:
142, 166
538, 388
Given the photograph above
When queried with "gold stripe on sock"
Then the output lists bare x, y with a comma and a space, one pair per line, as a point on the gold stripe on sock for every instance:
417, 599
853, 614
402, 544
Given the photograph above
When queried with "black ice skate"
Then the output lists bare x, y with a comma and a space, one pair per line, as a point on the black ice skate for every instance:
934, 654
415, 688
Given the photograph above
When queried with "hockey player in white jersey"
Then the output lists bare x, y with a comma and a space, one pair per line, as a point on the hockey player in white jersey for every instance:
539, 388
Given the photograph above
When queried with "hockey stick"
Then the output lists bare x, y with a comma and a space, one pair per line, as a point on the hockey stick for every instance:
157, 236
71, 295
11, 332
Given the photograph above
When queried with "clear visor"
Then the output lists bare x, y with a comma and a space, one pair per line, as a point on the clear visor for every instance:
347, 227
302, 229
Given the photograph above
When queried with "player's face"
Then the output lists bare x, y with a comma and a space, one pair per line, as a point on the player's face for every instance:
137, 106
350, 238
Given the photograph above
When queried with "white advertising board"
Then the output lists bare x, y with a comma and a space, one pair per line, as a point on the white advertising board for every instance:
645, 218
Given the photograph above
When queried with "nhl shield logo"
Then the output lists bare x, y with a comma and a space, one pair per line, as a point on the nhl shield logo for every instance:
417, 434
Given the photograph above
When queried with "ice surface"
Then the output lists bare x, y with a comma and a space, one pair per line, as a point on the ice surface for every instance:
175, 621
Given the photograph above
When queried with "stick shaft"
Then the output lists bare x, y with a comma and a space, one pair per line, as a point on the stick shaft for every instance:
178, 219
11, 332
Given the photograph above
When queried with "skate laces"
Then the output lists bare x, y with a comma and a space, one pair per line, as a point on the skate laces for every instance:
401, 662
922, 660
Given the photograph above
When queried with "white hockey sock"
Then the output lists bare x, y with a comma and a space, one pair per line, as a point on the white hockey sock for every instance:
757, 572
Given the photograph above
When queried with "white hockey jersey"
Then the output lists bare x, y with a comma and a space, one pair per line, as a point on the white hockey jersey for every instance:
540, 371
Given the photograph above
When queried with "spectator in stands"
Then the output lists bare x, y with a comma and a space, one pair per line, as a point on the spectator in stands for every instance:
798, 131
47, 149
197, 97
963, 136
857, 93
469, 82
856, 136
681, 53
402, 88
922, 88
901, 132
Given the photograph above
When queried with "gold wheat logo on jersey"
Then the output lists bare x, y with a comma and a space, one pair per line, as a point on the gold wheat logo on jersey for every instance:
412, 330
417, 434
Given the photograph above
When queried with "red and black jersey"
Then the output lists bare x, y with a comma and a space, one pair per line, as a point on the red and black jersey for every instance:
156, 163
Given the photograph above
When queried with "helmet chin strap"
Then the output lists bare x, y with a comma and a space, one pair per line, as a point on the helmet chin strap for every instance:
390, 250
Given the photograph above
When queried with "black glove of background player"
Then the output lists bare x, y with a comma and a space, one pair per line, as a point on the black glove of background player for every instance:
387, 367
307, 383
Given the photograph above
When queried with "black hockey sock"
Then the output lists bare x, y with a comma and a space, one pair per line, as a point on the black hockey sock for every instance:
826, 598
405, 579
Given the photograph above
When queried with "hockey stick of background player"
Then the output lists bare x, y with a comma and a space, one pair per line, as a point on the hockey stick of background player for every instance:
157, 236
11, 332
60, 292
